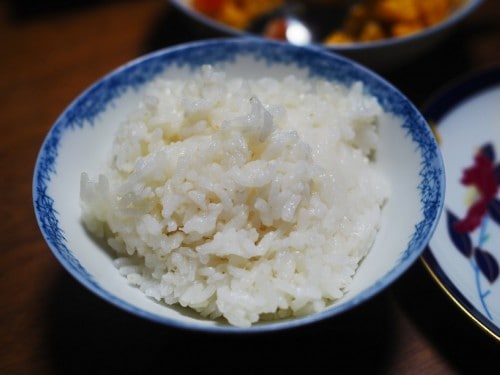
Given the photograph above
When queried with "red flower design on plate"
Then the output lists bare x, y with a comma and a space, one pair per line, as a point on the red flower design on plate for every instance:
482, 175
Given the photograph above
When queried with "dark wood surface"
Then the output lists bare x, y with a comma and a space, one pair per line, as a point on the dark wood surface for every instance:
49, 324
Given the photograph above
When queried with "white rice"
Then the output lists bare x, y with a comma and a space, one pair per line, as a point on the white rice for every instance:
243, 199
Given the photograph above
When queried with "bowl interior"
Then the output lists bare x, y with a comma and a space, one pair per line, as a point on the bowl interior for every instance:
408, 155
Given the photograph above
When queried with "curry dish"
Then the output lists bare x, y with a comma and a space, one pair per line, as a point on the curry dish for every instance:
369, 20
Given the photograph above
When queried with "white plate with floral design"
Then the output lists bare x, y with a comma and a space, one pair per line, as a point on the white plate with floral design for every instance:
464, 253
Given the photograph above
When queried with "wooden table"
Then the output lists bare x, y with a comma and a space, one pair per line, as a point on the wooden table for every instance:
50, 324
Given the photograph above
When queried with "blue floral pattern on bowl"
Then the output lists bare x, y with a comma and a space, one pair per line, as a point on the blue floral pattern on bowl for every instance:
74, 136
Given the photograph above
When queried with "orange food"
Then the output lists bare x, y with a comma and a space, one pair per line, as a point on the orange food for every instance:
209, 7
380, 19
367, 21
235, 13
276, 29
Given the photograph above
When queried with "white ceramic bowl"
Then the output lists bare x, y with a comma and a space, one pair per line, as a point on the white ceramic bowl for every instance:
81, 137
379, 55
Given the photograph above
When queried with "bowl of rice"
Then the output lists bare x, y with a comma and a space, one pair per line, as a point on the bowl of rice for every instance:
381, 34
238, 185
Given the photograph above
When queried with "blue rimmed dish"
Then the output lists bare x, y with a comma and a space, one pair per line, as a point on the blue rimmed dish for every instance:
80, 138
463, 255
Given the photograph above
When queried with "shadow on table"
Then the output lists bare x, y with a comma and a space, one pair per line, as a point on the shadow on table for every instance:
469, 349
87, 335
26, 9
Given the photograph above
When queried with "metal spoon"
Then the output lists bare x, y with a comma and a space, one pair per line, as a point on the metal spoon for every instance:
302, 22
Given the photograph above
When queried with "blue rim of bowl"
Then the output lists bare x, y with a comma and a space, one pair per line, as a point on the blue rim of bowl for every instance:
460, 14
142, 69
434, 110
